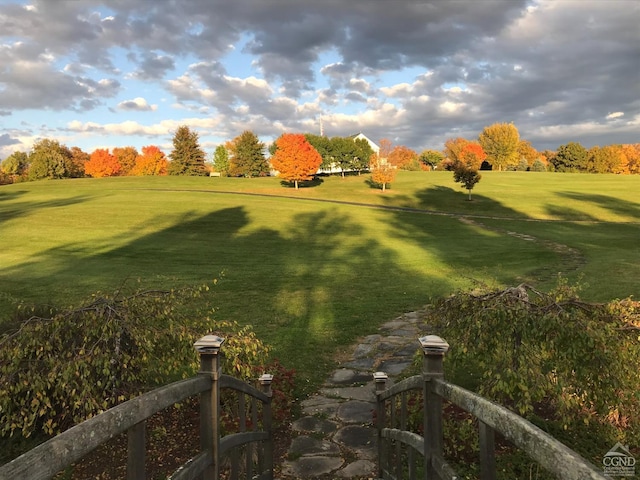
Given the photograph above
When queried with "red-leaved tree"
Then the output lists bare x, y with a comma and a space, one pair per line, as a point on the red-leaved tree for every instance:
472, 155
295, 159
102, 164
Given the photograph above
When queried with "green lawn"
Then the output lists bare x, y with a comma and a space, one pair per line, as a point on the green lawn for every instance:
311, 276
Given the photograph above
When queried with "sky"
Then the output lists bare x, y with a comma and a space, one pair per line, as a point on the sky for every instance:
115, 73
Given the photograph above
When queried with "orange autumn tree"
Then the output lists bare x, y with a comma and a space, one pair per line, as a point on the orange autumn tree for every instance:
152, 161
404, 158
632, 154
465, 168
382, 172
295, 159
102, 164
126, 157
471, 156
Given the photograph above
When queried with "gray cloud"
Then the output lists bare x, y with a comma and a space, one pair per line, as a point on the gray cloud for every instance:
556, 69
5, 140
153, 66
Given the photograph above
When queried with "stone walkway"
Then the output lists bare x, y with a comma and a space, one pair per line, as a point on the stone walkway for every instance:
336, 437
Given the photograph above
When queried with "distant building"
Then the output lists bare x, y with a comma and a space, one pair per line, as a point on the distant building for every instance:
362, 136
357, 136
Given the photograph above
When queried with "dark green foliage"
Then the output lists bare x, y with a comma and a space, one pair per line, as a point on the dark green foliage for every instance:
343, 151
247, 156
187, 158
323, 145
59, 369
571, 157
362, 155
548, 356
349, 154
468, 177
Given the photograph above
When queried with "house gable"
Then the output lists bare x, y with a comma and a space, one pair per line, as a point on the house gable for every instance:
362, 136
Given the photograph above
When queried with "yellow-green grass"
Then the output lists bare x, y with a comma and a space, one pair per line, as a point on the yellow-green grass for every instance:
311, 276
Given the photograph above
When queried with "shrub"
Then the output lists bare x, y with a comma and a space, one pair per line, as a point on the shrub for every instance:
548, 355
538, 166
61, 369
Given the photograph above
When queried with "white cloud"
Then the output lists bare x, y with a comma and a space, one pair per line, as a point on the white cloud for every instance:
399, 90
137, 104
614, 115
451, 107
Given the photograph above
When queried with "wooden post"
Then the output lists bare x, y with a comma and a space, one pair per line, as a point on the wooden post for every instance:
265, 382
487, 452
434, 349
380, 379
136, 441
209, 349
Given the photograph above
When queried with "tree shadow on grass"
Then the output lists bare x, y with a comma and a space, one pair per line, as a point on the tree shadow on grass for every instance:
375, 185
314, 182
615, 205
308, 289
16, 204
456, 229
489, 240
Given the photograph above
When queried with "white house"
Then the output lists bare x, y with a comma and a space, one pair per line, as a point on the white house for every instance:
362, 136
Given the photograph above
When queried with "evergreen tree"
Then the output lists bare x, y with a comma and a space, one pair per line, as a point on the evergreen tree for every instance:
187, 158
247, 156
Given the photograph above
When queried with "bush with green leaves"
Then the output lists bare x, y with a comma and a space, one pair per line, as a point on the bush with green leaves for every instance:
548, 355
60, 369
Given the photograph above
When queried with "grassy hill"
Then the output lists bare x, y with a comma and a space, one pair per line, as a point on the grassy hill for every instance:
313, 269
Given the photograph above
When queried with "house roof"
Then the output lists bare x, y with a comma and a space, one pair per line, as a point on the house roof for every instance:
361, 135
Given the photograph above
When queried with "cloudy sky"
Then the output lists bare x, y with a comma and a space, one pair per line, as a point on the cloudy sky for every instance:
110, 73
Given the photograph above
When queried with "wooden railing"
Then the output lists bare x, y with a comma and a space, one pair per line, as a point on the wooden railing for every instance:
249, 452
405, 454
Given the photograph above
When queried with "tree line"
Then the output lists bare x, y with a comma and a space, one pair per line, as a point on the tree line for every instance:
497, 147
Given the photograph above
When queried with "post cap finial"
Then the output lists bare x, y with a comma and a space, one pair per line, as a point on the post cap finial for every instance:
265, 379
209, 344
433, 345
380, 377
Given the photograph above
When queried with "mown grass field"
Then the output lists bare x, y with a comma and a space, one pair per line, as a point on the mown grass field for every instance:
310, 274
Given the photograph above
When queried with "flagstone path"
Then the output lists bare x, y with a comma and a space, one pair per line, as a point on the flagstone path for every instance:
335, 438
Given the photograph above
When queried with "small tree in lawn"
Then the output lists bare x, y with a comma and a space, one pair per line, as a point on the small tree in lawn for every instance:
295, 158
467, 177
465, 168
382, 172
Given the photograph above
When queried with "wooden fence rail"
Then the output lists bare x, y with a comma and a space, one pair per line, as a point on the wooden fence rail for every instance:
404, 454
48, 459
